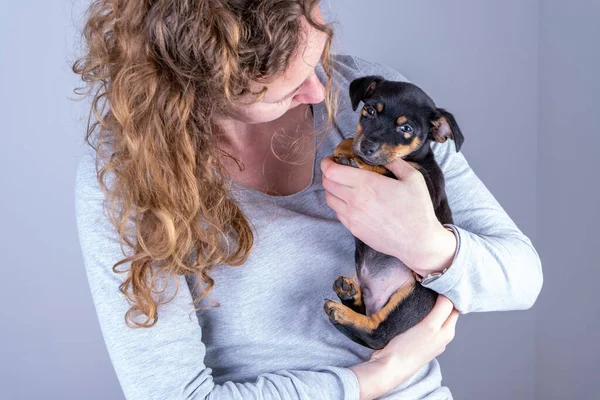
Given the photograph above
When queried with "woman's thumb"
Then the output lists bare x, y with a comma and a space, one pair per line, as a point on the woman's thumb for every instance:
399, 168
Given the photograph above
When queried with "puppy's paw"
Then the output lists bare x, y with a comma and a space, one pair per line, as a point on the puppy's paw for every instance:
346, 289
345, 160
335, 311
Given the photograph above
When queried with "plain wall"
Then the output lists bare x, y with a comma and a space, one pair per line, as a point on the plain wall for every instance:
478, 59
568, 321
51, 346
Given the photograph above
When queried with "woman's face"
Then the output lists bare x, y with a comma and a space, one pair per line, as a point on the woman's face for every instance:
298, 85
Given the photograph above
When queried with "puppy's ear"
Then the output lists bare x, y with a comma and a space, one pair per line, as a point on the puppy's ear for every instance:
444, 126
363, 88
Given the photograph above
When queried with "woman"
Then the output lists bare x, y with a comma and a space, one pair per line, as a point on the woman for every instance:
237, 222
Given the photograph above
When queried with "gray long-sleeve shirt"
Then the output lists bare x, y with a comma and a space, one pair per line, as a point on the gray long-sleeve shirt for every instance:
270, 339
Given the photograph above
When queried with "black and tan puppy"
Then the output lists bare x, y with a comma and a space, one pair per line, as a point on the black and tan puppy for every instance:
398, 119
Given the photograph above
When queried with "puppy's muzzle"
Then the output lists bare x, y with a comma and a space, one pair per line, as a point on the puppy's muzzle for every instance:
369, 148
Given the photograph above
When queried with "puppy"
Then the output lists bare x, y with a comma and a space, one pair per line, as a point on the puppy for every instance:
398, 120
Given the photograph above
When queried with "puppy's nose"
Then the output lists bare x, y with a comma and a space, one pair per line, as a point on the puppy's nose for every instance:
368, 148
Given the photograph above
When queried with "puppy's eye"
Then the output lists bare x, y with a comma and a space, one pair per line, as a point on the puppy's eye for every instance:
405, 128
370, 110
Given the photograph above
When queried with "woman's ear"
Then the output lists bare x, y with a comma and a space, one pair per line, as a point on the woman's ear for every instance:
444, 126
363, 88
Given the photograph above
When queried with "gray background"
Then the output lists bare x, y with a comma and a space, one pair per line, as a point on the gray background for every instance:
519, 75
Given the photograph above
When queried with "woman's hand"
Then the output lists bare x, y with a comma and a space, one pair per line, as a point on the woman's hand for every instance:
408, 352
394, 217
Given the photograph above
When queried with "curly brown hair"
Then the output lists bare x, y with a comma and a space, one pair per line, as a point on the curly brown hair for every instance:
157, 72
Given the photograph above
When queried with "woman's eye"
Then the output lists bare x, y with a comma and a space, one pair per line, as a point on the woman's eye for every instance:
370, 111
405, 128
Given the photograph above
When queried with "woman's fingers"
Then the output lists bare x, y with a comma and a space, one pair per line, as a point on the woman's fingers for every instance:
449, 326
335, 203
450, 323
340, 191
342, 174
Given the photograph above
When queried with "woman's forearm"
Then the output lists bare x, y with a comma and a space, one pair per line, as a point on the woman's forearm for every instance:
376, 378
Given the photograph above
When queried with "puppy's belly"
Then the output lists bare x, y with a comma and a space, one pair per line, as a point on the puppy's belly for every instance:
379, 282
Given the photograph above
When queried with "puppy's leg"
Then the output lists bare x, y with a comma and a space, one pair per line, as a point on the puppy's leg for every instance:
356, 327
368, 330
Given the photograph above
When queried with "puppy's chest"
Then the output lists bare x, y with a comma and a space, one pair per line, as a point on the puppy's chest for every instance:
379, 276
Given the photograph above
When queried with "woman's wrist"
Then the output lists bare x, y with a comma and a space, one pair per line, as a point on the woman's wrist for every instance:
436, 255
377, 377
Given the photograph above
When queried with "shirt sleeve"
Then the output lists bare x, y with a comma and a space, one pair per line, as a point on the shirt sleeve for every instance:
495, 266
166, 361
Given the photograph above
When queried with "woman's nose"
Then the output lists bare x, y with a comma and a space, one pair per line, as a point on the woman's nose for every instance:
312, 91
